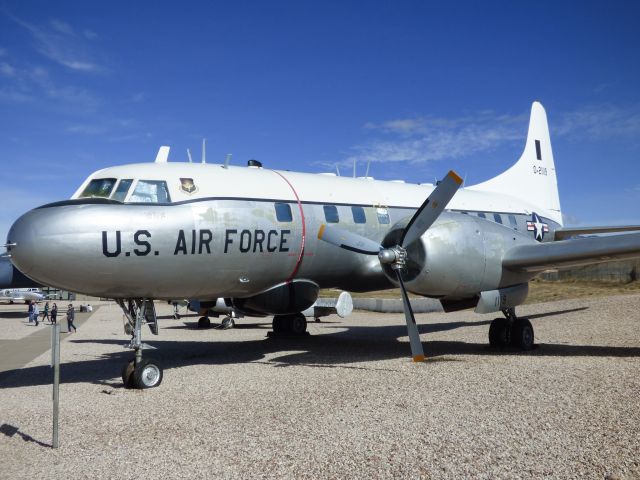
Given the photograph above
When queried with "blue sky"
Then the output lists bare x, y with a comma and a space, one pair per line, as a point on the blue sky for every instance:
416, 87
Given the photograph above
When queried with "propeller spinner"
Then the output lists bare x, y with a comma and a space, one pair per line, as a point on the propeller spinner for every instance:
396, 256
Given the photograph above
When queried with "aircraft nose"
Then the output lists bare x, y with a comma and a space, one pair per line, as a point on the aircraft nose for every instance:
23, 244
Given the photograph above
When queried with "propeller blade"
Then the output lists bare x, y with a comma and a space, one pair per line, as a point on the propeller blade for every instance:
348, 241
431, 209
414, 336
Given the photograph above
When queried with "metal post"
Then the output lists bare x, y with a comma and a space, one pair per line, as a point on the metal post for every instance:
56, 380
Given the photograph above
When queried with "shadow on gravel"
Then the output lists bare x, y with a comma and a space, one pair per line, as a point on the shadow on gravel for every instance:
557, 312
10, 431
14, 314
340, 348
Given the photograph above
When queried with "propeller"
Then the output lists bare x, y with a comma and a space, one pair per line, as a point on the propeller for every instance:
396, 256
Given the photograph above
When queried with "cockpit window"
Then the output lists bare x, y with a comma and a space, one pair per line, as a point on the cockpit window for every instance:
121, 190
151, 191
99, 187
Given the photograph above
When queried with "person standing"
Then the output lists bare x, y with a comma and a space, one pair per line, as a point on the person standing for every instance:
71, 316
54, 313
45, 313
31, 311
36, 313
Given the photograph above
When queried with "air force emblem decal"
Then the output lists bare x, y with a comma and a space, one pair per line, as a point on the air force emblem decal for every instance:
536, 226
187, 186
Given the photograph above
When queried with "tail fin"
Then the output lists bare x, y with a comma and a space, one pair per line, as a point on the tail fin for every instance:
533, 177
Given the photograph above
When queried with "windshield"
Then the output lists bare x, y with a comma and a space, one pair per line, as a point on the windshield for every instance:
99, 187
121, 191
150, 191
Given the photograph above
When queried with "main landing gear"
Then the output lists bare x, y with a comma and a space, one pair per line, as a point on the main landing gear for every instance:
140, 372
294, 324
227, 322
511, 331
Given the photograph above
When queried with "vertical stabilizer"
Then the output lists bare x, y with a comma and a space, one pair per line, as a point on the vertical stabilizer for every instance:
533, 177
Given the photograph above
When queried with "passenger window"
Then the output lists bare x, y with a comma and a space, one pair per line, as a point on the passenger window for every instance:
331, 213
383, 216
121, 190
512, 222
99, 187
151, 191
482, 215
283, 212
358, 215
497, 218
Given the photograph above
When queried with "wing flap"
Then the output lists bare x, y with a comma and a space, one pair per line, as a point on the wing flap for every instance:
563, 233
572, 253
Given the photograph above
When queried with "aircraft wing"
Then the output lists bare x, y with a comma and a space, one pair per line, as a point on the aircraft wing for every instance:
572, 253
562, 233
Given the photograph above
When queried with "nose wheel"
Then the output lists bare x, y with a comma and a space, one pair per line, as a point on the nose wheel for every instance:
139, 372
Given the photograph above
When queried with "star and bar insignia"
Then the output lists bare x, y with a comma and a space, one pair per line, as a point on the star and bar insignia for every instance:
537, 226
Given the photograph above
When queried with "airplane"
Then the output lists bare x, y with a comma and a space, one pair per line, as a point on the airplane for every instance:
26, 295
269, 240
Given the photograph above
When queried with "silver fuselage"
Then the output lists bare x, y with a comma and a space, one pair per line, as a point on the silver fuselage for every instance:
209, 248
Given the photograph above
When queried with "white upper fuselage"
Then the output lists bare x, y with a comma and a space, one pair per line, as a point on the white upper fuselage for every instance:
215, 181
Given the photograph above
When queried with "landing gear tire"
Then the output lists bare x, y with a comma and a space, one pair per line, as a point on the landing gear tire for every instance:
522, 334
204, 322
127, 374
297, 324
228, 322
279, 324
147, 374
499, 333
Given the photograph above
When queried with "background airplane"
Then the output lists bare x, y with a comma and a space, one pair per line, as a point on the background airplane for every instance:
26, 295
268, 240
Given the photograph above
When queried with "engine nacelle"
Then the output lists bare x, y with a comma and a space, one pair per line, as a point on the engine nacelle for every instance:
282, 299
502, 298
458, 257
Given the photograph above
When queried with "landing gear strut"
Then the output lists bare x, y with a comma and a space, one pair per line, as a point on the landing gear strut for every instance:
138, 372
511, 331
295, 324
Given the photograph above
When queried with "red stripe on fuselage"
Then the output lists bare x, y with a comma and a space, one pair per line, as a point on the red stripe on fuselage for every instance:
304, 227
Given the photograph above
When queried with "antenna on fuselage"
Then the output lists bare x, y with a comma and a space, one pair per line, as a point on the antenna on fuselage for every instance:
189, 155
227, 160
204, 155
337, 169
366, 175
163, 154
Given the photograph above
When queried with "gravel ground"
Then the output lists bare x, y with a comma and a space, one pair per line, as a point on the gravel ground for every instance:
344, 402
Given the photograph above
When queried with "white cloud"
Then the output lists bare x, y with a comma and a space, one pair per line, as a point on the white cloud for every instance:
89, 34
59, 43
7, 70
422, 139
8, 95
62, 27
86, 129
600, 121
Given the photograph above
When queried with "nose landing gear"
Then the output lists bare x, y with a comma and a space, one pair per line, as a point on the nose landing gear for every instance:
138, 372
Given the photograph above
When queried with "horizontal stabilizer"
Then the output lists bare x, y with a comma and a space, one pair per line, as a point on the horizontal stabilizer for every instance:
572, 253
562, 233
